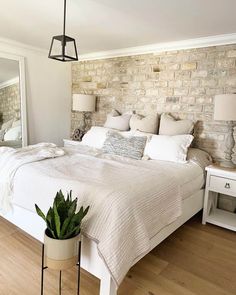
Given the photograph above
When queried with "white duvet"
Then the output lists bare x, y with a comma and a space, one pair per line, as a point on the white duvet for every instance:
130, 201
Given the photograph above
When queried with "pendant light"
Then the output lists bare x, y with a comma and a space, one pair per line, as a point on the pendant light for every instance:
63, 48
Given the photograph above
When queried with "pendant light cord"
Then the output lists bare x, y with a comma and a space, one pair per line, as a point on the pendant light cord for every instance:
64, 25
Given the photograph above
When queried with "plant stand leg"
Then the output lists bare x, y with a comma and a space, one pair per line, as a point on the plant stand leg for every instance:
60, 283
78, 264
42, 270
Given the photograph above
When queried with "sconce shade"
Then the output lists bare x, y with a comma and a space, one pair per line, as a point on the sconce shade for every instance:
63, 48
225, 107
84, 103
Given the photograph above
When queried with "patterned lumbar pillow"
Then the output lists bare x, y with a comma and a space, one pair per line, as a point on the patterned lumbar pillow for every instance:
131, 147
147, 124
169, 126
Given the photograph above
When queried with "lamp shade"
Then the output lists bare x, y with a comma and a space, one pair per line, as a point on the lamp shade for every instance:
84, 103
225, 107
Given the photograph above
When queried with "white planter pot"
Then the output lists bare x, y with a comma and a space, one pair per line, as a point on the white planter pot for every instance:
60, 254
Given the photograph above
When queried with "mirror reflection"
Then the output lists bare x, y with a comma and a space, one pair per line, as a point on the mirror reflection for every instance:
10, 104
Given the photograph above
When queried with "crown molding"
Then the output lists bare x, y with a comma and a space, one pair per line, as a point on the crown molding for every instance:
12, 43
217, 40
161, 47
9, 82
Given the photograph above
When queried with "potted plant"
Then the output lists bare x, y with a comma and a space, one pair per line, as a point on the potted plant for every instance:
63, 231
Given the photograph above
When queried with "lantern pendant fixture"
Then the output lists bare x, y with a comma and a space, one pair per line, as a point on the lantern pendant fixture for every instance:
63, 48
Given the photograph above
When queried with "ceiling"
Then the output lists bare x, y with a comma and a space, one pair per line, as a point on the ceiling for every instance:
9, 69
101, 25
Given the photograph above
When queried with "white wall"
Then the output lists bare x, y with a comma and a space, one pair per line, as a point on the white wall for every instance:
48, 87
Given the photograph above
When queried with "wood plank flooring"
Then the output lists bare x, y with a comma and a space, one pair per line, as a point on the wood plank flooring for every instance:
195, 260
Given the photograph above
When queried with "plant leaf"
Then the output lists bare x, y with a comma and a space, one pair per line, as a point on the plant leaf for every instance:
39, 212
57, 220
51, 232
70, 234
72, 208
65, 226
86, 211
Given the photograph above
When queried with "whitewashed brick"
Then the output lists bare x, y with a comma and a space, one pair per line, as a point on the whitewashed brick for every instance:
199, 74
189, 66
182, 82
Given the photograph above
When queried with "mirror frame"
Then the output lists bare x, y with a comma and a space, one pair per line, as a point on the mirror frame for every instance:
23, 104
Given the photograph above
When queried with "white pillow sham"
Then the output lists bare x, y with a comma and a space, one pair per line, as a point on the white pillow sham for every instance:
168, 148
7, 125
13, 134
16, 123
170, 126
117, 121
96, 136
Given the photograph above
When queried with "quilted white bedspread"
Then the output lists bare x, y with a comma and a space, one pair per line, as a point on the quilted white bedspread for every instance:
130, 201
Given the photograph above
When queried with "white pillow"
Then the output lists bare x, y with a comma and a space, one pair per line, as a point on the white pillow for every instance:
95, 137
13, 134
170, 126
16, 123
7, 125
118, 122
168, 148
147, 124
139, 133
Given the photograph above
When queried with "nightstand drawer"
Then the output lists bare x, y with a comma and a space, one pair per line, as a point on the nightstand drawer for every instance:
223, 185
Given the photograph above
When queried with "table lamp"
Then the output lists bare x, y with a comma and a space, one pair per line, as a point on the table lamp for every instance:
225, 110
86, 104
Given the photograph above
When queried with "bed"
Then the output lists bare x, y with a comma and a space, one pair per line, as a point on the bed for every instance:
150, 199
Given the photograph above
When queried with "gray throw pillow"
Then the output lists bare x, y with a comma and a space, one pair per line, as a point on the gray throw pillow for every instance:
170, 126
147, 124
131, 147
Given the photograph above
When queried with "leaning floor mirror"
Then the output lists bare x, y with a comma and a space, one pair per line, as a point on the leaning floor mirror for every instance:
13, 125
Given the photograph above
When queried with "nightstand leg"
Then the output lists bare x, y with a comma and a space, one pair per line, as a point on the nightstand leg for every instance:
205, 207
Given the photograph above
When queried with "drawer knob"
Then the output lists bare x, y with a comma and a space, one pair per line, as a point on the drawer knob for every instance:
227, 185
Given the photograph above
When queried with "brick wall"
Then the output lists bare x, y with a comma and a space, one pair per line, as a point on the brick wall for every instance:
183, 83
10, 102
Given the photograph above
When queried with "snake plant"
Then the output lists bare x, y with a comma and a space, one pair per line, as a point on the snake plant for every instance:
61, 219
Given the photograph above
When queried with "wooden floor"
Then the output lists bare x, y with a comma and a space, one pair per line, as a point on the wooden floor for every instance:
196, 259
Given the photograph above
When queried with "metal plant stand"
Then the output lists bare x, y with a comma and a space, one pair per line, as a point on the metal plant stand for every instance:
60, 274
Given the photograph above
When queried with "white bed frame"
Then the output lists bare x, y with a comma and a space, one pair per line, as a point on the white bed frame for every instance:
91, 261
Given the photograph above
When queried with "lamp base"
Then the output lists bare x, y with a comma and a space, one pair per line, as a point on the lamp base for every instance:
229, 145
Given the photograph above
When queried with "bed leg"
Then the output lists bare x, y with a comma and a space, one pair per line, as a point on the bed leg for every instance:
107, 286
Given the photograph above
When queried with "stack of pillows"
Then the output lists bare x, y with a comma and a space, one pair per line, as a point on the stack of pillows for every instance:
11, 130
142, 137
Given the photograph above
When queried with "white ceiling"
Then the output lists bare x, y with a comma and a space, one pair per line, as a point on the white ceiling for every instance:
9, 69
113, 24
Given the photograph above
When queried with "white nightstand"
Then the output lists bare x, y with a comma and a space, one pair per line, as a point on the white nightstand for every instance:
219, 180
70, 142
